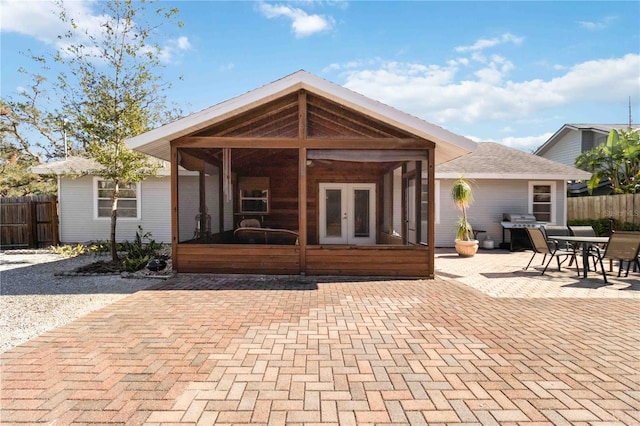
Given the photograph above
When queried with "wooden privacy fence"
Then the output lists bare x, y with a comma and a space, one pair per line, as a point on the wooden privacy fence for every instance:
28, 222
623, 207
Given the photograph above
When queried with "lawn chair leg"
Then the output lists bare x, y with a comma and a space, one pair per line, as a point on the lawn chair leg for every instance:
604, 274
547, 265
530, 260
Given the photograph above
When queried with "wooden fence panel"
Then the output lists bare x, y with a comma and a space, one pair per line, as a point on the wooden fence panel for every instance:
622, 207
28, 222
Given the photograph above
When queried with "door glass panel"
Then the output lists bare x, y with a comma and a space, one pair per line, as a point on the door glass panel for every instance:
334, 212
361, 213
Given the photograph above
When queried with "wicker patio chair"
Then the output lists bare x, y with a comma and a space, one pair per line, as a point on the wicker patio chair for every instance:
540, 245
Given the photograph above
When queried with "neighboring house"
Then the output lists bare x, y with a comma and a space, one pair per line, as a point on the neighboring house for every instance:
305, 156
573, 139
504, 180
85, 208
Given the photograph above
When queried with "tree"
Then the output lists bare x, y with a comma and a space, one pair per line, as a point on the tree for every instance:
617, 160
21, 122
110, 91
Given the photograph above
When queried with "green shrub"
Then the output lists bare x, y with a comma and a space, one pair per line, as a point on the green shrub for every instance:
68, 250
141, 246
100, 247
602, 227
135, 264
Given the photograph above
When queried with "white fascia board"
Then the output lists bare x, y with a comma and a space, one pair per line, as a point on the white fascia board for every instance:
514, 176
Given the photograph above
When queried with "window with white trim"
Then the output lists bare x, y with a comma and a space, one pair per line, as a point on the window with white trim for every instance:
542, 201
128, 199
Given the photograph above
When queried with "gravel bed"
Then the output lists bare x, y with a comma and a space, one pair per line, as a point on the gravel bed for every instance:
35, 298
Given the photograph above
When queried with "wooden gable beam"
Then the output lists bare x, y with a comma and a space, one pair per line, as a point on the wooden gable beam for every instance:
309, 143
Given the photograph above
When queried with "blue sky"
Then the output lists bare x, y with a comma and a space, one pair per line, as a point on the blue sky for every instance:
511, 72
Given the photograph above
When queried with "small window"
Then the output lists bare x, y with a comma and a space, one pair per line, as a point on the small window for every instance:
128, 203
542, 199
254, 195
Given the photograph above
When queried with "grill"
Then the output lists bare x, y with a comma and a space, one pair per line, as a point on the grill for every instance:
516, 223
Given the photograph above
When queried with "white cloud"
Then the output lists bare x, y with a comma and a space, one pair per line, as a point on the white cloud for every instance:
528, 143
594, 26
483, 44
40, 20
438, 94
183, 43
302, 24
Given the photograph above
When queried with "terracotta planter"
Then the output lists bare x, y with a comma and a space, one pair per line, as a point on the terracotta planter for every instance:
466, 248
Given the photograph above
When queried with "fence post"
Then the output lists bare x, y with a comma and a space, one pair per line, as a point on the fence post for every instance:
32, 227
54, 221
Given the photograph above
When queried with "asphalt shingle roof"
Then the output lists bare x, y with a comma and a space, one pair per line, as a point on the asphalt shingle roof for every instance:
491, 160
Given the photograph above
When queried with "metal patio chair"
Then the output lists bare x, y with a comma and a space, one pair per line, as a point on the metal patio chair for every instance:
623, 246
548, 230
593, 250
540, 245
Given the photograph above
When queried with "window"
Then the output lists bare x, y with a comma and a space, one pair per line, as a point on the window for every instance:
542, 201
254, 195
128, 202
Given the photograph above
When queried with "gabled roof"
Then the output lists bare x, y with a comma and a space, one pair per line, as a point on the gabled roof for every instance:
71, 165
596, 128
81, 166
156, 142
495, 161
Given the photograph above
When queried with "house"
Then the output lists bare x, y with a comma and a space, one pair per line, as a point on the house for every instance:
346, 174
85, 209
573, 139
504, 180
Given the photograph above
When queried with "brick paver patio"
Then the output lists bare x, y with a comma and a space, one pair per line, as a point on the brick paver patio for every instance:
291, 350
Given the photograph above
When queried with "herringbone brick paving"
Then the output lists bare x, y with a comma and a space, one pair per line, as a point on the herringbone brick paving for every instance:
204, 349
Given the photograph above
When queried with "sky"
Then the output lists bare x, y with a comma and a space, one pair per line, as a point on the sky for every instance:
512, 72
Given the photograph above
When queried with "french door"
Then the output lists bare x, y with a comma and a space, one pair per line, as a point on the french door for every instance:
347, 213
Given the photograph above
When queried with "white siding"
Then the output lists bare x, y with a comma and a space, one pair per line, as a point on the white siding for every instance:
492, 198
76, 205
566, 149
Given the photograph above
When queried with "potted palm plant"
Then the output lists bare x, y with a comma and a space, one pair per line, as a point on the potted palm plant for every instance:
462, 195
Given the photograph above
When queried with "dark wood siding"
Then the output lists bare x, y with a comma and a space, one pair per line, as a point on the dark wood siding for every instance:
239, 259
400, 261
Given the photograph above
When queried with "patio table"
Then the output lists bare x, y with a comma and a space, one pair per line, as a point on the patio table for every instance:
584, 242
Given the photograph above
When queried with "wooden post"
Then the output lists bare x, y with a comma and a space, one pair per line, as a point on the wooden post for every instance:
55, 227
174, 207
302, 181
220, 201
431, 222
203, 203
403, 203
418, 201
